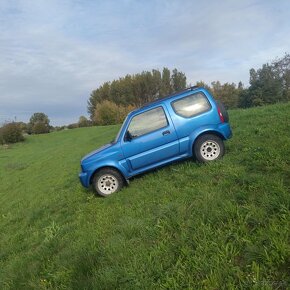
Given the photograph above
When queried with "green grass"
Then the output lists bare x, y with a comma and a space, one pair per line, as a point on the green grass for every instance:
223, 225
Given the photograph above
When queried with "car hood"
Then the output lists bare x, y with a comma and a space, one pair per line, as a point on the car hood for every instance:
97, 151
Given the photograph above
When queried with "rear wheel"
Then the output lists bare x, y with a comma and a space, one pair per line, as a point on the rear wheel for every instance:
209, 147
107, 181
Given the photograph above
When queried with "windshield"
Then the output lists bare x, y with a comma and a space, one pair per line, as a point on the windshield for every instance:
119, 133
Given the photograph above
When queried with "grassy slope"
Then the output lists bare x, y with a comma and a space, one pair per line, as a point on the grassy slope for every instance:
221, 225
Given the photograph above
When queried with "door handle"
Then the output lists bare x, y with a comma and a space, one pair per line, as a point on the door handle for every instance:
167, 132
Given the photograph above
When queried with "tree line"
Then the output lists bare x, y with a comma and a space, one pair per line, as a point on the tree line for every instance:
110, 102
39, 123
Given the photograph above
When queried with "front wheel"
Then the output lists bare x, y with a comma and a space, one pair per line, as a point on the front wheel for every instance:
209, 147
107, 181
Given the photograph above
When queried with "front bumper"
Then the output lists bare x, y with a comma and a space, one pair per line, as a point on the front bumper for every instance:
84, 179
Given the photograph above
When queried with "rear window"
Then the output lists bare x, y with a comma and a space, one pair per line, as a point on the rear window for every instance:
191, 105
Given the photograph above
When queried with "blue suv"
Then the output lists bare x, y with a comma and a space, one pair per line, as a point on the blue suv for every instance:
186, 124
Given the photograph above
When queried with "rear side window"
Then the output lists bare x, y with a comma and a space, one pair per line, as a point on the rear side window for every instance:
191, 105
148, 122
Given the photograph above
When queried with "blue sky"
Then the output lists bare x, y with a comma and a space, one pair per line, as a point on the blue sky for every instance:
53, 53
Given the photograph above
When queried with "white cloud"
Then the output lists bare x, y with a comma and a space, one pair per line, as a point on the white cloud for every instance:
54, 53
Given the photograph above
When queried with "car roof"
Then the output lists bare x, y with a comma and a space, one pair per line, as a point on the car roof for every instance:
159, 101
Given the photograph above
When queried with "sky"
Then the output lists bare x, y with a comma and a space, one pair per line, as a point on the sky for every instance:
53, 53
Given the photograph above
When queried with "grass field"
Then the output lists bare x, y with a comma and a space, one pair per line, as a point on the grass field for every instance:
224, 225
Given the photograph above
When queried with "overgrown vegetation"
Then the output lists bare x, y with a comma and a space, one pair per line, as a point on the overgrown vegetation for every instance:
268, 85
223, 225
11, 133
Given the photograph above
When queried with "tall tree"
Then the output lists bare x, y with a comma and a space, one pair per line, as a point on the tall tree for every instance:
203, 85
227, 93
39, 118
281, 67
39, 123
137, 89
157, 83
266, 86
166, 88
178, 80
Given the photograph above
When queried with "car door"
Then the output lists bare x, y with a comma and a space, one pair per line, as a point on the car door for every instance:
152, 139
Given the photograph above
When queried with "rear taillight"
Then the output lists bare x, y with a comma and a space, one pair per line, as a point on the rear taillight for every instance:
221, 115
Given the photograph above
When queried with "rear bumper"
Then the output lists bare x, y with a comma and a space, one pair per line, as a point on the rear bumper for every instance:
84, 179
225, 130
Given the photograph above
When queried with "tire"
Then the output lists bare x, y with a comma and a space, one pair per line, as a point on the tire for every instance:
208, 147
223, 111
107, 181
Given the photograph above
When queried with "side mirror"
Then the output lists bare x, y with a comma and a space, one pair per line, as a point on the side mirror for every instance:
128, 136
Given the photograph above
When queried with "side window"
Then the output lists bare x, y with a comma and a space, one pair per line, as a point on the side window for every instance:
147, 122
192, 105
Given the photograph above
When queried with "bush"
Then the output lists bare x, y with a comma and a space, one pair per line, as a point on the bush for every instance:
73, 126
109, 113
11, 133
84, 122
40, 128
59, 128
